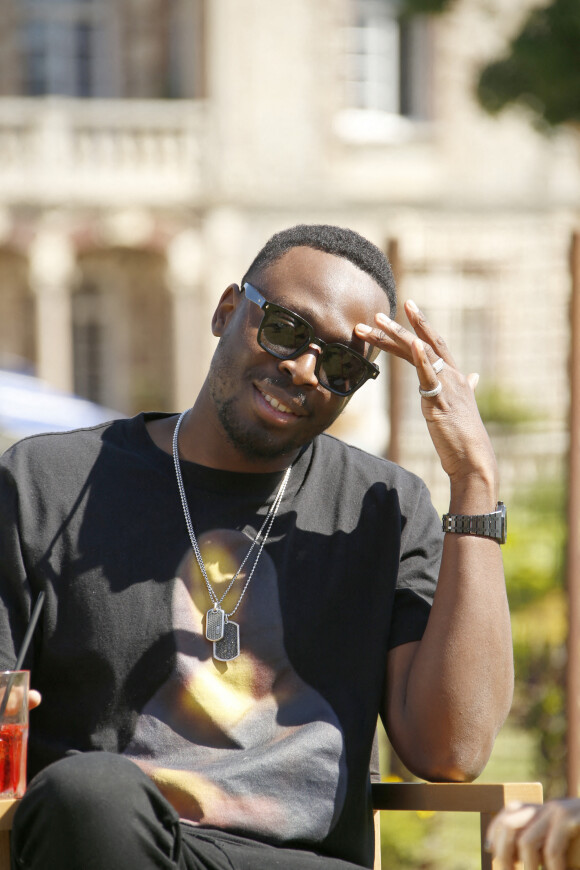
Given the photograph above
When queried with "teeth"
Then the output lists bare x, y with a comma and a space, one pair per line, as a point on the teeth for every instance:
276, 404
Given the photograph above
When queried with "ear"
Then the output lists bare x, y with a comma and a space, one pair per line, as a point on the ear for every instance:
225, 308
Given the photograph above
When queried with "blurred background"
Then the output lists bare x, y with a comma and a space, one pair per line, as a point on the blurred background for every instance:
148, 148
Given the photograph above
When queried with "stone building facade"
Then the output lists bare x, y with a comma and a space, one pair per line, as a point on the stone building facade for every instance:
149, 147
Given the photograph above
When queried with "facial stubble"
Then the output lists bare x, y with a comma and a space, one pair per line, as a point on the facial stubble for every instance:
252, 441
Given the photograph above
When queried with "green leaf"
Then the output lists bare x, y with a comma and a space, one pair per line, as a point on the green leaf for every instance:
541, 67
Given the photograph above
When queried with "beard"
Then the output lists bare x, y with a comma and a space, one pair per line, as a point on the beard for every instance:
228, 382
253, 442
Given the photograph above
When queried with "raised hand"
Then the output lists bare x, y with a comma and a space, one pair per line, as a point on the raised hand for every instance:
447, 396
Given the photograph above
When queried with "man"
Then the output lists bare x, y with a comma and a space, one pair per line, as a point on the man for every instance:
233, 597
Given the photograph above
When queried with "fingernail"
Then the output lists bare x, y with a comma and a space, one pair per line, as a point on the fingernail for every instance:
363, 328
384, 319
487, 846
412, 305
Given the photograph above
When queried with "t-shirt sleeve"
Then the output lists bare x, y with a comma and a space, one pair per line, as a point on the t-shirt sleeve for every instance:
14, 587
420, 558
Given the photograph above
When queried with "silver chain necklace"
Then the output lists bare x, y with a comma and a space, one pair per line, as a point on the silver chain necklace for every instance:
219, 629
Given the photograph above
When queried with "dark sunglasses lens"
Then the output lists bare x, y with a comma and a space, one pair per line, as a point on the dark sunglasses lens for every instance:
341, 370
283, 333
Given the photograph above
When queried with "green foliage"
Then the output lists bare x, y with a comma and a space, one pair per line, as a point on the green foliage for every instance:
500, 406
534, 550
541, 65
541, 68
540, 708
403, 836
534, 557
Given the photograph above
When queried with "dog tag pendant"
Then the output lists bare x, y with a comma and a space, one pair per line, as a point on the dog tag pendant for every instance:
228, 647
214, 624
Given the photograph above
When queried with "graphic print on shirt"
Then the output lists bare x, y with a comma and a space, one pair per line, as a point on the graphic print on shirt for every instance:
243, 745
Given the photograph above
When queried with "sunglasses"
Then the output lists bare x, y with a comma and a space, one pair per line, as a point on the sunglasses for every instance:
286, 335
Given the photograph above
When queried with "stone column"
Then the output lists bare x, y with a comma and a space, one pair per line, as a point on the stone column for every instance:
52, 265
190, 348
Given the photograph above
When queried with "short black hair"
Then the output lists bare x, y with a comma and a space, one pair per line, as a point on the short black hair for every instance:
340, 241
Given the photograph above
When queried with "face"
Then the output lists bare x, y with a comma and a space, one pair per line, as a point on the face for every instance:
268, 408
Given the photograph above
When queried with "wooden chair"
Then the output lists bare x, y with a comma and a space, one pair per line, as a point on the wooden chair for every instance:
7, 810
485, 799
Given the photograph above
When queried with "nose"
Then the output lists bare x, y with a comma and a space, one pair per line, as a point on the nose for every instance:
302, 369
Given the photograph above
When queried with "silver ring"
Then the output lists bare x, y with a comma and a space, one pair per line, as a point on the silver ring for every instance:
430, 394
438, 365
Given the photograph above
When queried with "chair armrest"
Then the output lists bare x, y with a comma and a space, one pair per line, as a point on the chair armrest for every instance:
488, 797
7, 810
573, 855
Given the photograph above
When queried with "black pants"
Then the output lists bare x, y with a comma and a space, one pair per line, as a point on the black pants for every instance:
99, 811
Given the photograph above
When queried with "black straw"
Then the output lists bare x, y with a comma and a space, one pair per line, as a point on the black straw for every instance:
30, 630
24, 648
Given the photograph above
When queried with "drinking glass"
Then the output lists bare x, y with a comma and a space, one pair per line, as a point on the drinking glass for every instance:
14, 686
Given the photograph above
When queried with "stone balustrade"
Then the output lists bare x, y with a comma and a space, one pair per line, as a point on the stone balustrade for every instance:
101, 152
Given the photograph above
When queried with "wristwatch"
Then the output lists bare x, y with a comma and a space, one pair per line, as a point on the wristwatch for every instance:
484, 525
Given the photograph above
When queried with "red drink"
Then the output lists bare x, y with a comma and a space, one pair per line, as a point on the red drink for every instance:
13, 743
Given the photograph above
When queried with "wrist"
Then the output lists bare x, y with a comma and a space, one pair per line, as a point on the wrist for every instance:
474, 493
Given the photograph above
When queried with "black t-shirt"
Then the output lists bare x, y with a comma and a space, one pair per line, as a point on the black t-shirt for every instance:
276, 743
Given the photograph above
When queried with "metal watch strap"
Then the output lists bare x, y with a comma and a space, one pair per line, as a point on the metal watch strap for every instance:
491, 525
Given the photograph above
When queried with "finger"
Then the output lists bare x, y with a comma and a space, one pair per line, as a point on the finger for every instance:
530, 853
404, 340
394, 338
385, 337
502, 833
554, 851
401, 337
34, 699
504, 848
531, 846
428, 380
564, 824
498, 821
473, 380
15, 700
425, 331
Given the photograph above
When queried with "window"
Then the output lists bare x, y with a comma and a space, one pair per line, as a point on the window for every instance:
88, 342
162, 50
104, 49
66, 48
185, 67
386, 60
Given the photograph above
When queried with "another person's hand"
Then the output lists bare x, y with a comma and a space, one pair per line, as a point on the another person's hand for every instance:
538, 835
14, 701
